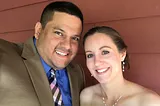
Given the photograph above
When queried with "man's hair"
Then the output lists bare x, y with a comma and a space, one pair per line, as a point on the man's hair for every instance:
59, 6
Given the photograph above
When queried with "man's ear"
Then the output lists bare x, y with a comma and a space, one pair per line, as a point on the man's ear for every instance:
37, 29
123, 54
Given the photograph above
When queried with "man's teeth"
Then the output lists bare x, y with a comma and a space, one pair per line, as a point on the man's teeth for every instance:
63, 54
100, 71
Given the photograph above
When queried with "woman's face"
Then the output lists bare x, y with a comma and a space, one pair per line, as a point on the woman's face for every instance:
102, 57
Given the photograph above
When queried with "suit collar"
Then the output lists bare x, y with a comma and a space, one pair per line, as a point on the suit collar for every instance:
37, 73
73, 84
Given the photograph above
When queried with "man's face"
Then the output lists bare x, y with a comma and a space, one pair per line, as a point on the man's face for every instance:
58, 42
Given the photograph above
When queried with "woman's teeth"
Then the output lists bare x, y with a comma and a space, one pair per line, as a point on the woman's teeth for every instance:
102, 70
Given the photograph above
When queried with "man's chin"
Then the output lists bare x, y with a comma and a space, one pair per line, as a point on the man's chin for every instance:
61, 66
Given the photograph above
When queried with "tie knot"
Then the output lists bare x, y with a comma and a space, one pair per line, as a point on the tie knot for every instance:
52, 75
53, 72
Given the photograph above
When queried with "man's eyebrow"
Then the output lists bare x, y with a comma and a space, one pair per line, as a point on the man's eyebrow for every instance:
78, 36
57, 28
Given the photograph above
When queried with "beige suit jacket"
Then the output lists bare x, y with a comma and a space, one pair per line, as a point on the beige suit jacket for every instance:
23, 81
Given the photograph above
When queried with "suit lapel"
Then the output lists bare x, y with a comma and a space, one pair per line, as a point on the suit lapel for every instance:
73, 85
37, 74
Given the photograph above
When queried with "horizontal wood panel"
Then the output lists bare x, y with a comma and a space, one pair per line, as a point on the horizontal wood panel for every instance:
17, 36
141, 35
94, 11
9, 4
145, 69
23, 18
107, 10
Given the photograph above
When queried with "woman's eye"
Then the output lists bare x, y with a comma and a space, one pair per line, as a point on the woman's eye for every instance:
105, 52
58, 33
89, 55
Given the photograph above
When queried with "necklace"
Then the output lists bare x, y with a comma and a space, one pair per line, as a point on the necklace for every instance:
106, 97
115, 103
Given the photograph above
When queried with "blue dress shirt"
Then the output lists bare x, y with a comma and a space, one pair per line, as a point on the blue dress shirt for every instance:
62, 80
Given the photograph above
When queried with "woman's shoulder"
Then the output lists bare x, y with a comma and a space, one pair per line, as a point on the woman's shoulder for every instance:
87, 94
91, 90
149, 98
143, 96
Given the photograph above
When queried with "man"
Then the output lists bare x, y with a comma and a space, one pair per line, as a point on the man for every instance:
26, 69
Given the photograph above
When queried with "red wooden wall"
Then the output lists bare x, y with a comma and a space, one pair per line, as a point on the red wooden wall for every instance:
138, 21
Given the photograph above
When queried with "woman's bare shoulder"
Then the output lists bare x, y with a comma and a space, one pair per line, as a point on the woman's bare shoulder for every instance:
150, 98
87, 95
89, 91
143, 96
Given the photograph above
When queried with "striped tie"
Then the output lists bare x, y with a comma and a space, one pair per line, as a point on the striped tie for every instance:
57, 96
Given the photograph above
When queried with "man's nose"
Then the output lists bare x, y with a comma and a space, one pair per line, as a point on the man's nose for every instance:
66, 43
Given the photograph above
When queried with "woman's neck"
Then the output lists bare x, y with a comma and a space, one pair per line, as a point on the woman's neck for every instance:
115, 88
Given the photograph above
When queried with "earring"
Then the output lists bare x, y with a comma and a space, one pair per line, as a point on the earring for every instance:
123, 63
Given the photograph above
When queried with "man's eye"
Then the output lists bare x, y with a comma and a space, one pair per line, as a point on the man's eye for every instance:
76, 38
105, 52
89, 55
58, 33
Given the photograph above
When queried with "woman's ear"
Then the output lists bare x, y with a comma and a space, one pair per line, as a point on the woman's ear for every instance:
123, 54
37, 29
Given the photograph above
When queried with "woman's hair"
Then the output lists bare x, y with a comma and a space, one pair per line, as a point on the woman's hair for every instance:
114, 35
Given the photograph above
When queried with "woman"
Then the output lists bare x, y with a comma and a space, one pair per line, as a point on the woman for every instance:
106, 58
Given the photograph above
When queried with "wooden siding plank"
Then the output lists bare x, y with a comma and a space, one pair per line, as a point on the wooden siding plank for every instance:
145, 70
9, 4
141, 35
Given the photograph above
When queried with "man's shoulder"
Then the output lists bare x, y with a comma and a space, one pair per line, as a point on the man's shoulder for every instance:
78, 71
4, 42
76, 66
7, 46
